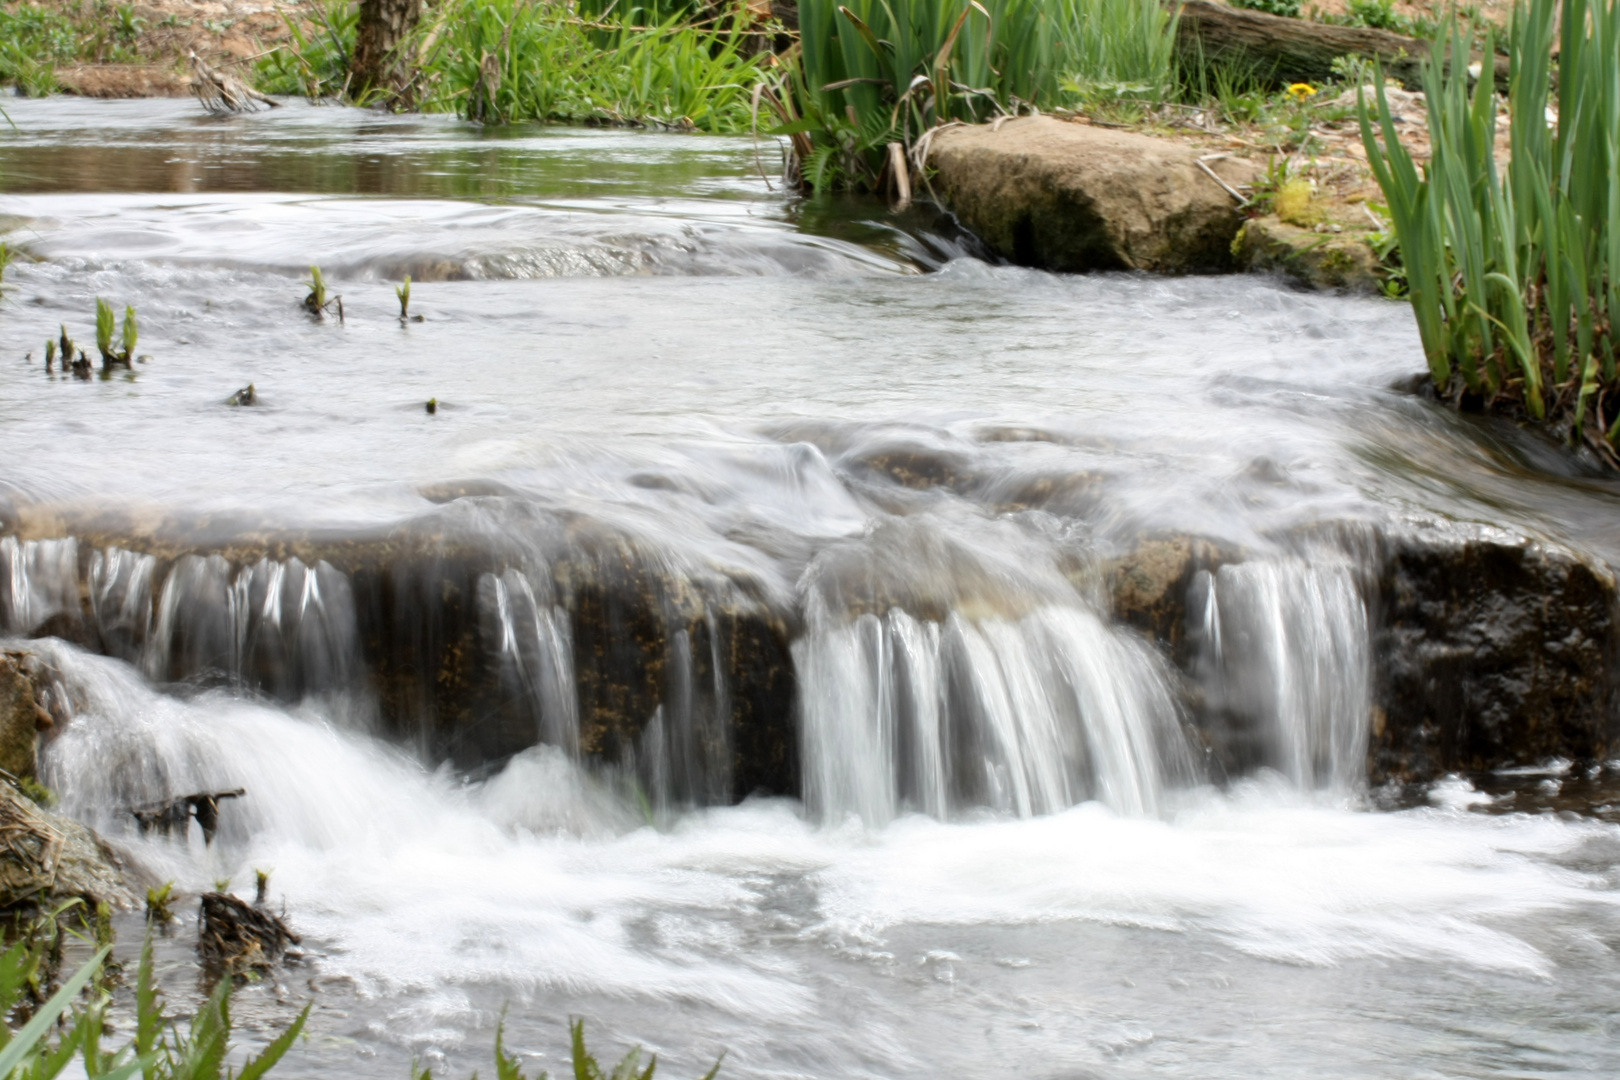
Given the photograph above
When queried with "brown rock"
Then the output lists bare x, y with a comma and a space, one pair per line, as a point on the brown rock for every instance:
1069, 196
1149, 584
20, 716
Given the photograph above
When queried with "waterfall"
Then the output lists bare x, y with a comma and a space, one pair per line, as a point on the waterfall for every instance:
934, 674
535, 650
1026, 715
1284, 646
39, 581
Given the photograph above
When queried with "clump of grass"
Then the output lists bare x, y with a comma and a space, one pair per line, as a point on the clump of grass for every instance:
33, 40
497, 61
875, 72
1515, 278
159, 1050
159, 901
1287, 8
585, 1065
315, 62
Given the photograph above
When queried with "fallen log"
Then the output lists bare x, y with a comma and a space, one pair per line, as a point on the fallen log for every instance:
222, 92
1283, 50
171, 814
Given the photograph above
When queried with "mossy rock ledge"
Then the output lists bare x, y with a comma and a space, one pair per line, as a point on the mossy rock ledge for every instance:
1061, 195
1338, 262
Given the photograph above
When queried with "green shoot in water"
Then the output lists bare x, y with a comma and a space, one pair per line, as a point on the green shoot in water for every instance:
131, 333
404, 294
316, 301
104, 335
104, 330
158, 911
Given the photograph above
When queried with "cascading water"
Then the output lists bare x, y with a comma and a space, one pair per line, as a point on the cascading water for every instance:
536, 652
38, 582
1284, 645
1026, 716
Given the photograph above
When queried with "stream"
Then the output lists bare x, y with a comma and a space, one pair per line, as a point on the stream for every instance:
1003, 853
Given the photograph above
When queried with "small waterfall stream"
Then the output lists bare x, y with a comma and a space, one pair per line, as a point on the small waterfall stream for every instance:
788, 634
1022, 713
1026, 716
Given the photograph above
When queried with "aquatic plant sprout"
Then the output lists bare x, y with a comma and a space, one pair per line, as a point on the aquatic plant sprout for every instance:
1512, 270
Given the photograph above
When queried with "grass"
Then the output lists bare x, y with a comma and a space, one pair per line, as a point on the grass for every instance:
501, 61
35, 40
64, 1032
1512, 274
159, 1050
314, 61
870, 73
505, 60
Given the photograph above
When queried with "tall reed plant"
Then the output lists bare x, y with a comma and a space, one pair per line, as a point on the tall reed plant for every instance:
871, 72
1513, 270
505, 60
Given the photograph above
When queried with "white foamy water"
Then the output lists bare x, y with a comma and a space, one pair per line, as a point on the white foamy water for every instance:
438, 898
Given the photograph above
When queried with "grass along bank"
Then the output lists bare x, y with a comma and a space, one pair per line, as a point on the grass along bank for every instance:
500, 61
1512, 268
114, 48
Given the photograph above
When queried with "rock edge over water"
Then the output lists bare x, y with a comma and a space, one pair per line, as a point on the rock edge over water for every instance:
1489, 649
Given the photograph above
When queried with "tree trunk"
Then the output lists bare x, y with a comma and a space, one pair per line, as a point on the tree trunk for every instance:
1295, 50
379, 61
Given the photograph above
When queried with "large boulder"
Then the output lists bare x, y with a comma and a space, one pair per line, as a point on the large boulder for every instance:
1069, 196
1491, 650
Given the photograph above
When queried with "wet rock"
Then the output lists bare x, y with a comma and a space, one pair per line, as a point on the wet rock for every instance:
445, 628
1068, 196
1491, 650
46, 858
1149, 586
21, 716
1328, 261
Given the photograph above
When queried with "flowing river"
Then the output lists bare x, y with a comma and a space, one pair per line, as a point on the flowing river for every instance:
998, 849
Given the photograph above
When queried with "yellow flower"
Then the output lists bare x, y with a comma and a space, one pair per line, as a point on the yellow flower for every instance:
1300, 91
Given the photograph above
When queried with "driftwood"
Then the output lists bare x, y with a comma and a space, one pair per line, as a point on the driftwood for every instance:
234, 937
171, 814
222, 92
1298, 50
